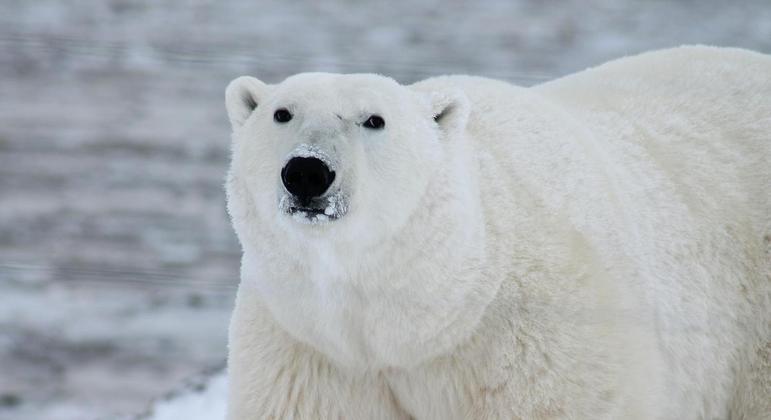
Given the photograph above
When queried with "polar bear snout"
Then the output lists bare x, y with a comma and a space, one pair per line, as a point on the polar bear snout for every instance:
312, 191
307, 178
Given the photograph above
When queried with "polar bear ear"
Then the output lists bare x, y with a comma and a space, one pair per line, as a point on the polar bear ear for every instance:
450, 110
242, 96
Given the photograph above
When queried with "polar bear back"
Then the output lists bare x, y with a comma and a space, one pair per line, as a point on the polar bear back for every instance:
702, 114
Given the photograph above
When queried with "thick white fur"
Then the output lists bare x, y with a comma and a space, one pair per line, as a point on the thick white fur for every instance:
596, 247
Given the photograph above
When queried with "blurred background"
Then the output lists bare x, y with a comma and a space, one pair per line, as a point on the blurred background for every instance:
118, 266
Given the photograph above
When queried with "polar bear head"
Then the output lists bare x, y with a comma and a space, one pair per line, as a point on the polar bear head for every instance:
346, 157
352, 195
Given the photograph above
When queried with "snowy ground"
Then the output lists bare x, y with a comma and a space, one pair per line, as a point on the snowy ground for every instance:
117, 263
201, 399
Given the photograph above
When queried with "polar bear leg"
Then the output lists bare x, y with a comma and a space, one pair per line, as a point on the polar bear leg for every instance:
272, 376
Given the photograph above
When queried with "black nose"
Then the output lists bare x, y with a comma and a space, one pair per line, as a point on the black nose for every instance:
306, 178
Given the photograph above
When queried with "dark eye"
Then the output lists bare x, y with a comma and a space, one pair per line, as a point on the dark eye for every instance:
374, 122
282, 115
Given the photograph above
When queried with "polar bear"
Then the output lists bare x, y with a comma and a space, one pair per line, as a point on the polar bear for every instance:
595, 247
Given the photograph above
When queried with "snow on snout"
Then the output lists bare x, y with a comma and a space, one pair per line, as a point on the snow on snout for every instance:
306, 150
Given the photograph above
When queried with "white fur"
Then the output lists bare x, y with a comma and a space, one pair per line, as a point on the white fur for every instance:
596, 247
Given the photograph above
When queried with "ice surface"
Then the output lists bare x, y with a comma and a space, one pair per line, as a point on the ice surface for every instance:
117, 262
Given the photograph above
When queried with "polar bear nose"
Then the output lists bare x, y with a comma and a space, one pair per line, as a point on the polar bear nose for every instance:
306, 178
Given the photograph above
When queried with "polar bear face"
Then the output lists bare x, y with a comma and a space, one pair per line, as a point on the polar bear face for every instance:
343, 157
339, 187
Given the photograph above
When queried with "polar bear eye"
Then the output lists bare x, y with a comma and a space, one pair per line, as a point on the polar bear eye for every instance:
374, 122
282, 115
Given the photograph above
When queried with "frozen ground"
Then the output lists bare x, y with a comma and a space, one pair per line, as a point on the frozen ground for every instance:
201, 399
117, 263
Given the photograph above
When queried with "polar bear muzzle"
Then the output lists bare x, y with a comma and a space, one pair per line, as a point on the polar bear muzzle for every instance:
308, 194
307, 178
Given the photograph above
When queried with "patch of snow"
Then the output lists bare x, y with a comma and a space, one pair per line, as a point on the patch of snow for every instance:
334, 208
198, 402
330, 209
306, 150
